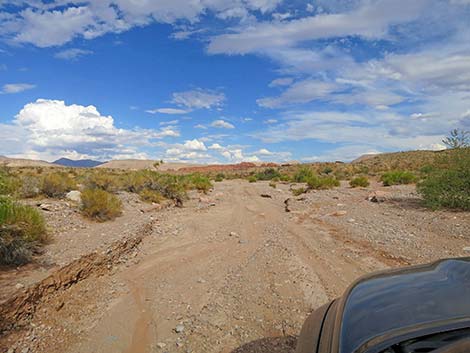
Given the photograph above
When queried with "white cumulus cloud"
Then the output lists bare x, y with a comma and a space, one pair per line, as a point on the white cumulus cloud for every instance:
51, 128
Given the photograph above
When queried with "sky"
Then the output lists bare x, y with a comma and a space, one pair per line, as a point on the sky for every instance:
218, 81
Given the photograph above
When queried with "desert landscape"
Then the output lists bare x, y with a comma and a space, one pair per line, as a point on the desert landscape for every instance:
244, 176
236, 266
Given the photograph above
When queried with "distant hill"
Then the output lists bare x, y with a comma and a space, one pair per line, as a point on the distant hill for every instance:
81, 163
410, 160
22, 162
365, 157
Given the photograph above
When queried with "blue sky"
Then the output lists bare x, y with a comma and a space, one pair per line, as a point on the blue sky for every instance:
218, 81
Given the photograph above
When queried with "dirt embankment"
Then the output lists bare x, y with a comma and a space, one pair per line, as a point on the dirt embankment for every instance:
232, 271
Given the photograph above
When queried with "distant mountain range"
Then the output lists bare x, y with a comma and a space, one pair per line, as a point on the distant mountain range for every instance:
81, 163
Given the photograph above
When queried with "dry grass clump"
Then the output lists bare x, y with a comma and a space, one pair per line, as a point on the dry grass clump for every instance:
22, 231
104, 180
57, 184
9, 184
100, 205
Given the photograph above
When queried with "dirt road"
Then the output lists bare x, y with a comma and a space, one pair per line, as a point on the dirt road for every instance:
231, 273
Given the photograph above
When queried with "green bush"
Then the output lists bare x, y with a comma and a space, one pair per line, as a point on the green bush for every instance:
199, 182
136, 181
151, 196
427, 169
448, 184
219, 177
315, 182
103, 181
252, 179
22, 230
284, 177
57, 184
397, 177
327, 170
170, 186
303, 174
100, 205
268, 174
360, 181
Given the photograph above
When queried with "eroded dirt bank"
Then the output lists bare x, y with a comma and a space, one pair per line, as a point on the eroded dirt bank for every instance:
234, 272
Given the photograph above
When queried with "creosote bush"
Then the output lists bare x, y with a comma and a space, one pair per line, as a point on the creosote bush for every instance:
360, 181
100, 205
22, 230
447, 185
397, 177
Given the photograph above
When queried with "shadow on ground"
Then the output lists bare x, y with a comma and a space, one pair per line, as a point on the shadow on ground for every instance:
407, 203
269, 345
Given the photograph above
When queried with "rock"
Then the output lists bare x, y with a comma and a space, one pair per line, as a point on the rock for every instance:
45, 207
179, 328
204, 199
161, 345
378, 196
466, 249
25, 350
233, 234
339, 213
286, 205
74, 195
241, 241
19, 286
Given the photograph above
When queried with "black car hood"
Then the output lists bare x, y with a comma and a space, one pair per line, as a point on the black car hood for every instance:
387, 305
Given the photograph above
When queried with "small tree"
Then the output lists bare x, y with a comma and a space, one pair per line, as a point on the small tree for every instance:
457, 139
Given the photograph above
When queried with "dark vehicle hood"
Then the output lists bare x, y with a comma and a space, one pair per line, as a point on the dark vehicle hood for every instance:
395, 304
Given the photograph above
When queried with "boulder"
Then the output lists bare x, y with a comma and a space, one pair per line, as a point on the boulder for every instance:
74, 195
